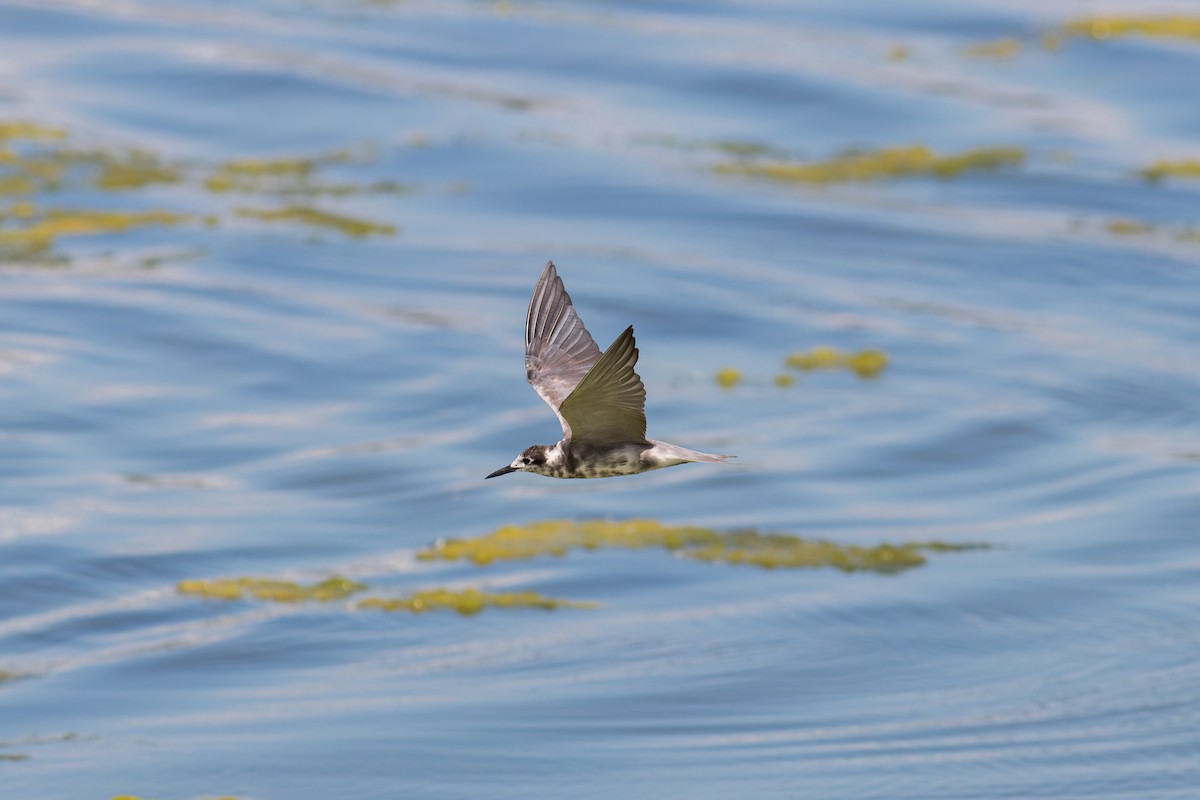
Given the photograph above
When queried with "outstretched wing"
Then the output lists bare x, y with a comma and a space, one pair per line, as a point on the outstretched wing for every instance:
609, 404
558, 349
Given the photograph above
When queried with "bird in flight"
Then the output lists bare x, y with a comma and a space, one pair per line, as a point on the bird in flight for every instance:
599, 400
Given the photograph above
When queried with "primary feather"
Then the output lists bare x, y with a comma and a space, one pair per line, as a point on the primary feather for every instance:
558, 349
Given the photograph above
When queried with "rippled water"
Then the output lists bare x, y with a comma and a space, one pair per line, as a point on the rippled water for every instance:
250, 391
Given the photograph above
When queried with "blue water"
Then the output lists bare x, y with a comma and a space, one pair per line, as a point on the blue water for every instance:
286, 401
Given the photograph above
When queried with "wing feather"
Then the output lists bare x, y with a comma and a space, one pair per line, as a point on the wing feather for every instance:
609, 404
558, 349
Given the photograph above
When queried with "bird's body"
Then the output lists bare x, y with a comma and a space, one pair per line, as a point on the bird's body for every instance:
572, 460
598, 398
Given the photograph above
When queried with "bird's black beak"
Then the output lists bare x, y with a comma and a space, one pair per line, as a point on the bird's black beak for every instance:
501, 471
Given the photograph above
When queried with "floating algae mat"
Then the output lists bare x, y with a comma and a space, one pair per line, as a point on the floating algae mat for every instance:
887, 163
1007, 47
464, 601
18, 129
1162, 27
1134, 228
728, 377
267, 174
306, 215
767, 550
467, 601
37, 162
43, 228
864, 363
1129, 227
1185, 168
335, 588
292, 176
558, 537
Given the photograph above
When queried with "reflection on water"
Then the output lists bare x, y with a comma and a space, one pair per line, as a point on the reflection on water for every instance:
931, 271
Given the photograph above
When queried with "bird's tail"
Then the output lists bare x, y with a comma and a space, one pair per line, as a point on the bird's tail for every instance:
674, 451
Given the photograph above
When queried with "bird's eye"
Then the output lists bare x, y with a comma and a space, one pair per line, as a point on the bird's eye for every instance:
526, 461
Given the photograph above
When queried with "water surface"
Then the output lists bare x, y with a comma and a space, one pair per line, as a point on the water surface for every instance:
310, 369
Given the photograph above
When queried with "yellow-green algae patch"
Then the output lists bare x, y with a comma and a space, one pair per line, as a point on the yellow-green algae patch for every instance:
464, 601
135, 170
558, 537
328, 590
1189, 235
36, 238
1187, 168
467, 601
781, 551
313, 217
864, 363
289, 176
1128, 227
298, 166
728, 377
736, 148
32, 162
49, 168
235, 180
1134, 228
1164, 27
36, 160
22, 209
16, 185
30, 131
1005, 48
887, 163
278, 166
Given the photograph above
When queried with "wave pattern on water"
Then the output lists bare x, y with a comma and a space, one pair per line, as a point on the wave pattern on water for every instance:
263, 269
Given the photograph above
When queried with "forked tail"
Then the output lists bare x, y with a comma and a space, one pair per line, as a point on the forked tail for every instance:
675, 453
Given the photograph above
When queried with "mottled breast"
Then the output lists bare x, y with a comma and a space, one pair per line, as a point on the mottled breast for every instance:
607, 462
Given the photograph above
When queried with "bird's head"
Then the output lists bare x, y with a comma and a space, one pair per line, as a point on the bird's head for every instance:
532, 459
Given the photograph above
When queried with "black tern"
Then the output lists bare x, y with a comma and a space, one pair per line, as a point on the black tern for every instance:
599, 400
